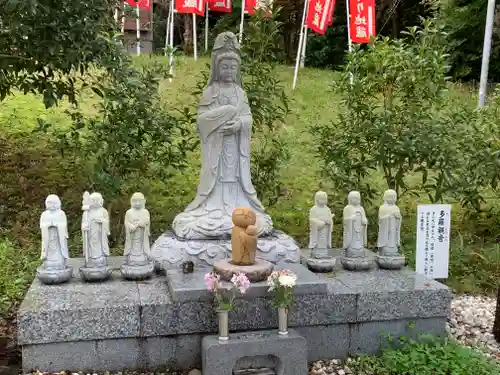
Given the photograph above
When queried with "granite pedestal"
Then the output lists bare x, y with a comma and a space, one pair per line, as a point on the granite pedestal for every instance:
170, 251
283, 355
148, 324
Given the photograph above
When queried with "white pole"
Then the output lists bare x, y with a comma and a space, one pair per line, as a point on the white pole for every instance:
300, 46
349, 41
303, 55
116, 15
123, 19
240, 37
206, 27
138, 30
195, 38
490, 15
167, 30
171, 35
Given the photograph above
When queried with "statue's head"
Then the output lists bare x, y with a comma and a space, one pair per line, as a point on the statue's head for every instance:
52, 203
354, 198
244, 216
138, 201
321, 198
390, 196
226, 59
96, 200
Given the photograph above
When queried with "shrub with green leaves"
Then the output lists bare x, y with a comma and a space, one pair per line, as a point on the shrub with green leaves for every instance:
428, 356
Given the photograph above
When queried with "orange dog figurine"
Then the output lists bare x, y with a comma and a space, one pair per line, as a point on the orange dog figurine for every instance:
244, 236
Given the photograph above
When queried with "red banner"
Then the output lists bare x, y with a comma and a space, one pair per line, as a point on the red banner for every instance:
144, 4
190, 6
252, 5
224, 6
362, 20
320, 15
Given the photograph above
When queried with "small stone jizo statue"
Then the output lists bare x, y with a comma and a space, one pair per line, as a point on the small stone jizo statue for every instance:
244, 236
95, 230
321, 225
137, 265
54, 229
357, 256
389, 234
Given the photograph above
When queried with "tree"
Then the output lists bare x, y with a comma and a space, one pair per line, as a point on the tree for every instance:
46, 46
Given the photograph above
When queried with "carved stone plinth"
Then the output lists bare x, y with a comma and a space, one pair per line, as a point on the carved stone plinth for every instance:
54, 276
390, 262
357, 264
169, 252
95, 274
259, 271
137, 272
321, 264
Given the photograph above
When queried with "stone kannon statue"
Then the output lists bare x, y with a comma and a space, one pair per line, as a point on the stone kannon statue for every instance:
138, 265
243, 237
320, 225
54, 228
224, 126
202, 233
389, 233
357, 257
95, 230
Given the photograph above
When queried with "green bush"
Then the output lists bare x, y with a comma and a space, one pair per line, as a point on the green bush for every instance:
428, 356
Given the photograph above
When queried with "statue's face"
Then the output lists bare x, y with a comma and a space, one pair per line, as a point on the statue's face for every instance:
137, 203
355, 199
322, 199
96, 202
390, 198
228, 70
52, 204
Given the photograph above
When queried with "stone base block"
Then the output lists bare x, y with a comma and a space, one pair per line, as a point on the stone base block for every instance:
259, 271
390, 263
169, 251
52, 277
137, 272
322, 265
286, 355
191, 287
92, 274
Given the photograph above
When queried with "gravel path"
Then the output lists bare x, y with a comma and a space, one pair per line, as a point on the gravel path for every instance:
470, 323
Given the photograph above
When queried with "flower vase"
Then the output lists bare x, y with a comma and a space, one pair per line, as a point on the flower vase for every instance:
283, 321
223, 317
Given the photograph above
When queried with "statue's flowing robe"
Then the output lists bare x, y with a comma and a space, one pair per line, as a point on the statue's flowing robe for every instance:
137, 242
225, 179
320, 238
98, 233
354, 230
389, 234
54, 230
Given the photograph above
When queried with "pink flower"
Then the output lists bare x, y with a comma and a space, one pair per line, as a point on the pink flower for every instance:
240, 281
211, 281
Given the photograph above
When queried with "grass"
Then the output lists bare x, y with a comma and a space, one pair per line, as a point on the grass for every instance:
475, 263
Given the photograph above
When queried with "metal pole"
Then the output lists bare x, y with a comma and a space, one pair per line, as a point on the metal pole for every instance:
240, 37
138, 30
299, 48
195, 38
206, 27
171, 42
486, 52
349, 41
303, 54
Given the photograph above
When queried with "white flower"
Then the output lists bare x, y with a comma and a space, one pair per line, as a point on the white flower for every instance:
287, 281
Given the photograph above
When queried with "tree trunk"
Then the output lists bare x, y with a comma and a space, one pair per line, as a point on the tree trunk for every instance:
188, 34
496, 325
